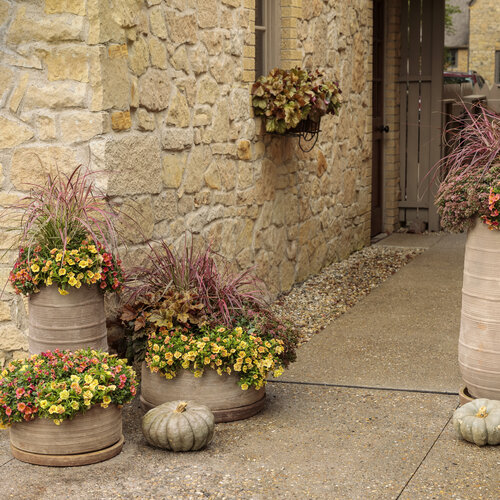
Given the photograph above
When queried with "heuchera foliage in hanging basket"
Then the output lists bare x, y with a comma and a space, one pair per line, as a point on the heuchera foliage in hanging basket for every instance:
287, 97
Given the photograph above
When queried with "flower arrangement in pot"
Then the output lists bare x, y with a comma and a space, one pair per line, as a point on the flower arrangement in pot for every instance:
285, 98
80, 392
468, 199
204, 333
67, 259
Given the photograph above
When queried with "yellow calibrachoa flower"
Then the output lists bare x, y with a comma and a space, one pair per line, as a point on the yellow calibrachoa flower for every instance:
244, 386
88, 379
88, 394
62, 271
44, 403
72, 281
35, 268
48, 281
64, 394
53, 409
75, 405
59, 257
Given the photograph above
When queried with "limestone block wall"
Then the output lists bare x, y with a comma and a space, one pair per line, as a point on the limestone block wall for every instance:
154, 95
484, 39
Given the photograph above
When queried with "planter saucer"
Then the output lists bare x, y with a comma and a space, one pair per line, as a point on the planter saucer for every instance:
69, 460
464, 396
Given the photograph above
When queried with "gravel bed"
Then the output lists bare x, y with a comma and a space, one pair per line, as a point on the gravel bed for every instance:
316, 302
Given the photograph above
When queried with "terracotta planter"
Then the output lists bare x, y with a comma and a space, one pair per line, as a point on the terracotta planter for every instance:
89, 438
221, 393
70, 322
479, 344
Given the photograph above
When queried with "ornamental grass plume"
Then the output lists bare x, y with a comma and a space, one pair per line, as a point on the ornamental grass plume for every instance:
471, 171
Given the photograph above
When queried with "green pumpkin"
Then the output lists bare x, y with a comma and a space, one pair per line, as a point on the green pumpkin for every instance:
478, 422
179, 426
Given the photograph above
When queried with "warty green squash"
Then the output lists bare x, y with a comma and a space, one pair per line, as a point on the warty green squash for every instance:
179, 426
478, 421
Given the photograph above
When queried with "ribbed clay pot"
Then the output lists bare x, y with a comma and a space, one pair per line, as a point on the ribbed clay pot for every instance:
221, 393
479, 343
67, 322
88, 438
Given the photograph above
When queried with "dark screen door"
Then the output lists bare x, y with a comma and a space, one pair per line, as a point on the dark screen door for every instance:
378, 116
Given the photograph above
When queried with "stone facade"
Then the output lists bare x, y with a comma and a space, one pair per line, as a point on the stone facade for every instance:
154, 95
484, 39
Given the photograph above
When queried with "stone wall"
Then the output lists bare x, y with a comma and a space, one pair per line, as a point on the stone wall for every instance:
483, 37
154, 95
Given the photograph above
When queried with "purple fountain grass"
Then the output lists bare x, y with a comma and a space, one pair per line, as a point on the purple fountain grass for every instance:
64, 211
222, 292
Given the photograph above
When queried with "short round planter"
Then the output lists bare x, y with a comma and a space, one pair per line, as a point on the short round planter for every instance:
221, 393
67, 322
86, 439
479, 342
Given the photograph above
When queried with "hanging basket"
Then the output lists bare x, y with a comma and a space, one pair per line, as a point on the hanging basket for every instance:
307, 131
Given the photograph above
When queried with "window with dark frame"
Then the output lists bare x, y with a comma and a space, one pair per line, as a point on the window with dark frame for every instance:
267, 36
453, 58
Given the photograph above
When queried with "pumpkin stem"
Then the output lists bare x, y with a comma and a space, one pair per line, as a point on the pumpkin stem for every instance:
482, 412
181, 407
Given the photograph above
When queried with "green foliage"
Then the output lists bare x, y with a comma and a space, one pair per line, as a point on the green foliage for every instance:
449, 10
286, 97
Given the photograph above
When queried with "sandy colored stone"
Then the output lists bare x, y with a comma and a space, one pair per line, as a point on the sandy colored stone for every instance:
165, 206
5, 314
46, 127
110, 81
220, 128
18, 93
180, 59
154, 90
104, 22
244, 150
198, 58
173, 169
199, 159
4, 11
68, 64
178, 111
212, 176
55, 95
134, 92
33, 164
136, 220
176, 138
134, 165
223, 69
182, 27
322, 165
22, 61
207, 13
212, 41
139, 56
145, 120
232, 3
72, 6
11, 338
13, 133
80, 126
29, 26
157, 22
158, 53
208, 91
6, 80
121, 120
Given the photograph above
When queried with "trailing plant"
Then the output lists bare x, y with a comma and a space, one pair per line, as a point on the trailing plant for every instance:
68, 217
85, 265
236, 350
286, 97
59, 385
471, 171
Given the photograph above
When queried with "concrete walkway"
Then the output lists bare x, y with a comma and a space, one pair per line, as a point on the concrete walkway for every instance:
364, 413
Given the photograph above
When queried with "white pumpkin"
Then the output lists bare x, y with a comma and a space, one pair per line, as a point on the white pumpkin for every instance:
179, 426
478, 421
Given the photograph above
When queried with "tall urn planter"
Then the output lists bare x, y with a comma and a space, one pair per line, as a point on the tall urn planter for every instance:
67, 322
479, 343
